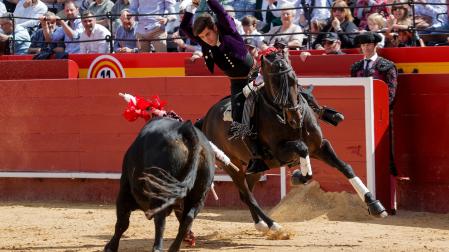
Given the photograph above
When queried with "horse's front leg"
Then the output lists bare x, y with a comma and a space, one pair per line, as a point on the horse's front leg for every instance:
292, 150
327, 154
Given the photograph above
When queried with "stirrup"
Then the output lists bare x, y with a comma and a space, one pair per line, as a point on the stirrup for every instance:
256, 166
331, 116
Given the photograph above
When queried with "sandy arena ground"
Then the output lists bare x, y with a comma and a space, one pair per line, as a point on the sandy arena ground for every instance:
315, 221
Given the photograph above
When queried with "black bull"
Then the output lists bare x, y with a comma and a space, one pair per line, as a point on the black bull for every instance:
169, 166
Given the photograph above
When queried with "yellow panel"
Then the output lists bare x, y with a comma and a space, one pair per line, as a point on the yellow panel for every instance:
425, 67
145, 72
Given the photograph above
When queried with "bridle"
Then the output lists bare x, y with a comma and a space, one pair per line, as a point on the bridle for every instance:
281, 99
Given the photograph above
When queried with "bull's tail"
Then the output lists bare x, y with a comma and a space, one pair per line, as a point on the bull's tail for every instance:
161, 186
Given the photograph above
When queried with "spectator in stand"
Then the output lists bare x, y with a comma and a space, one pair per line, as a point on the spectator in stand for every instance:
2, 9
127, 31
331, 45
83, 5
151, 29
251, 46
38, 40
69, 31
376, 6
398, 20
54, 5
116, 10
407, 38
315, 29
101, 8
376, 23
244, 7
267, 16
293, 32
21, 36
10, 5
230, 10
312, 9
431, 16
341, 23
249, 24
95, 32
29, 9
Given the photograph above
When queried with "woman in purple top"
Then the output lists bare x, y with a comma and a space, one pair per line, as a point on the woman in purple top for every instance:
223, 46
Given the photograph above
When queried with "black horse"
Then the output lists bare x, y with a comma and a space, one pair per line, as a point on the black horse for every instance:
288, 131
170, 166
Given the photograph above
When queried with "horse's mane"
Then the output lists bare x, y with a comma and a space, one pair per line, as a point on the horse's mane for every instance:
281, 68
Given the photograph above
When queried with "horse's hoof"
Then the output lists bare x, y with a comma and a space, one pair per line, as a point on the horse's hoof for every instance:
275, 227
261, 226
108, 249
299, 179
376, 209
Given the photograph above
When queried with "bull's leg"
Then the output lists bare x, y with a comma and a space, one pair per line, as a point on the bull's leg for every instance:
159, 226
327, 154
189, 238
125, 204
193, 203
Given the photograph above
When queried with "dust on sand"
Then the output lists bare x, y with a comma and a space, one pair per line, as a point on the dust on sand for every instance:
318, 221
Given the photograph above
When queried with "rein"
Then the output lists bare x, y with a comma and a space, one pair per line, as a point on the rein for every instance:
281, 99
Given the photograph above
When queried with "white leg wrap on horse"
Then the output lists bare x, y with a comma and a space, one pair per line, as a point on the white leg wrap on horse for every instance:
275, 227
359, 187
306, 167
261, 226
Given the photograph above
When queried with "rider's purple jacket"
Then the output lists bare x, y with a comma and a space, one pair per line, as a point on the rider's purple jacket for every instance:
232, 47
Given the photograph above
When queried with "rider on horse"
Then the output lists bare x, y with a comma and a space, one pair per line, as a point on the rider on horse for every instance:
223, 46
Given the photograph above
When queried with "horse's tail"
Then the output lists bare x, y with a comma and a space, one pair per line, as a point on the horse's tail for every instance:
165, 187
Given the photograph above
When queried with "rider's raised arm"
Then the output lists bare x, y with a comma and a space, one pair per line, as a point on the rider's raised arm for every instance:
186, 25
225, 21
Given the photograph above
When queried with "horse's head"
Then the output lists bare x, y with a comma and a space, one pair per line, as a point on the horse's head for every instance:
281, 86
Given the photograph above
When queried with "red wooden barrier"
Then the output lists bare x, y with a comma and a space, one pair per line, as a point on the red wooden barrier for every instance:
421, 141
38, 69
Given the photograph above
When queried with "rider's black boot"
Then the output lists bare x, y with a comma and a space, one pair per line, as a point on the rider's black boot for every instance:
256, 163
326, 114
331, 116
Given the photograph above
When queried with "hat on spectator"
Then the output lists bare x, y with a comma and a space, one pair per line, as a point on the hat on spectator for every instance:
280, 43
367, 37
331, 36
250, 42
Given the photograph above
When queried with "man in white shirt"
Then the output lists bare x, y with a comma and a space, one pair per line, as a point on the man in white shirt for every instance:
93, 31
29, 9
151, 28
69, 31
2, 9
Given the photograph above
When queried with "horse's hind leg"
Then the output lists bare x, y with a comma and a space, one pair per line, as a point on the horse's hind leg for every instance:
125, 204
327, 154
247, 197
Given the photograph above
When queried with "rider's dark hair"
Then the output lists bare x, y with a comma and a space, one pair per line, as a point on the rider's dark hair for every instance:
202, 22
